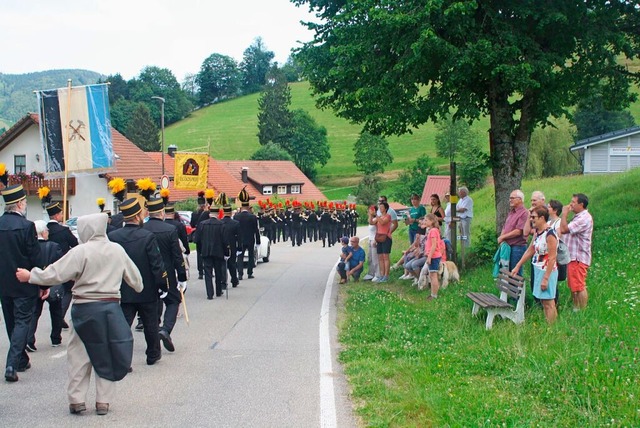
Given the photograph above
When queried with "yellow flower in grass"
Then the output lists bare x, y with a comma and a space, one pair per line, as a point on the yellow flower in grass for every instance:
43, 191
116, 185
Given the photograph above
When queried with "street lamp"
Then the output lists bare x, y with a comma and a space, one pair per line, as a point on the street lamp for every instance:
161, 129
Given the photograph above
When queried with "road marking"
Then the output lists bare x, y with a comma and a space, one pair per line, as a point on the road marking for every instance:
327, 392
59, 354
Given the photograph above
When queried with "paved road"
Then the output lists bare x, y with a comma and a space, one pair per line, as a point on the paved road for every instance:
250, 361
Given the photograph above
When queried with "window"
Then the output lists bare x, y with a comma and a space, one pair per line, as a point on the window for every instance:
267, 190
20, 164
282, 190
295, 188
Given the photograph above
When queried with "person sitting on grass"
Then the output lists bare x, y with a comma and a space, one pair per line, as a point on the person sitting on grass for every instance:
419, 257
356, 262
408, 255
345, 256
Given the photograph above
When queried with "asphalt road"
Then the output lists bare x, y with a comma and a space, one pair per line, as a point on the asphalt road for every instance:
252, 360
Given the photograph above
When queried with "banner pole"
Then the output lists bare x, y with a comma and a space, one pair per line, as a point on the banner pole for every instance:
66, 155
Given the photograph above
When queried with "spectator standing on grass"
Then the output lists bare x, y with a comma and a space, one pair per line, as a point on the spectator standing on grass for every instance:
577, 235
537, 200
391, 212
447, 217
356, 261
416, 212
511, 233
372, 255
543, 253
384, 223
433, 251
464, 210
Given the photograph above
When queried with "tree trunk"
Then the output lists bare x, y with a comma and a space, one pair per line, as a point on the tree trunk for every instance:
508, 154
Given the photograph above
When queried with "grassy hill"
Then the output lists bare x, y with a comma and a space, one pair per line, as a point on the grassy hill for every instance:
231, 127
416, 363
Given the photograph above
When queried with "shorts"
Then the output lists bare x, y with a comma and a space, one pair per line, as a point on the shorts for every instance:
434, 266
385, 247
577, 276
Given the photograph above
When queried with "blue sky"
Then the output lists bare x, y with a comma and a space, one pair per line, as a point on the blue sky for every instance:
123, 36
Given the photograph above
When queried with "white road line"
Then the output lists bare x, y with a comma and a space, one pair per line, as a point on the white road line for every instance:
327, 394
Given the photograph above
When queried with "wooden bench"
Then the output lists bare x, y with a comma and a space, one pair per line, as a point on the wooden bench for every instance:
509, 286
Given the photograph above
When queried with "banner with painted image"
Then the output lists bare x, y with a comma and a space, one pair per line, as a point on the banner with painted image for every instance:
81, 117
191, 170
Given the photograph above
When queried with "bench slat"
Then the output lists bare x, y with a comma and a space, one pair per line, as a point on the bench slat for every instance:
487, 300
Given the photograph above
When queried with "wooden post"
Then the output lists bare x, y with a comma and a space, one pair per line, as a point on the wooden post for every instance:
65, 150
453, 198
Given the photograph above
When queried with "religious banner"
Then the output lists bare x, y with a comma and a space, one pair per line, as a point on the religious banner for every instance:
75, 129
191, 171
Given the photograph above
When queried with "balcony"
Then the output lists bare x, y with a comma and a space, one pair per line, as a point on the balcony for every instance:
32, 183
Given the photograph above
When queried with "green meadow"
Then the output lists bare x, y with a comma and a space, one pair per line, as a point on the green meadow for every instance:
415, 363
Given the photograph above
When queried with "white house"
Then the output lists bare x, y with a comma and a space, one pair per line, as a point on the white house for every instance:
21, 152
612, 152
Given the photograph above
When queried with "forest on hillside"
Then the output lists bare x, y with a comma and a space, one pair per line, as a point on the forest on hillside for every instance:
16, 90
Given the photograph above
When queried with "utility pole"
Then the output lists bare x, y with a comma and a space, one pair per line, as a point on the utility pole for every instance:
161, 129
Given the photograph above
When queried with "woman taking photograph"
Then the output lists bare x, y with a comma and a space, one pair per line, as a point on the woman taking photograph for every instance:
543, 252
383, 238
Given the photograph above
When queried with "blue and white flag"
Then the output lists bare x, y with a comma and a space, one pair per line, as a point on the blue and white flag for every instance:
82, 119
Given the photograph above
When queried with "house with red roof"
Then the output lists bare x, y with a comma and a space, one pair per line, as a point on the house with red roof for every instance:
21, 152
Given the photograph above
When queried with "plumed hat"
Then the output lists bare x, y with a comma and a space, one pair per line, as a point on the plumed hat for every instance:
243, 197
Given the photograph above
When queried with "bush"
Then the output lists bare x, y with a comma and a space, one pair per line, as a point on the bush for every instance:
485, 244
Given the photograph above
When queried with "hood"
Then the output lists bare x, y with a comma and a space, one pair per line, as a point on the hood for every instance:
92, 227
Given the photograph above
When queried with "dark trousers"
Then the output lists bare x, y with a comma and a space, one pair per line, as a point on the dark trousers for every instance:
232, 267
296, 235
214, 265
517, 251
342, 271
251, 263
17, 312
149, 316
199, 263
55, 310
325, 234
170, 313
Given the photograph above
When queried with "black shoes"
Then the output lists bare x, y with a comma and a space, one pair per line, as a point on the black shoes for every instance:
25, 367
10, 374
140, 326
251, 276
234, 285
166, 341
74, 409
200, 276
152, 361
31, 347
65, 326
209, 297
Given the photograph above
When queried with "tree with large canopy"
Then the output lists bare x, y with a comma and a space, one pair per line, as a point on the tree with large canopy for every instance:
219, 78
395, 65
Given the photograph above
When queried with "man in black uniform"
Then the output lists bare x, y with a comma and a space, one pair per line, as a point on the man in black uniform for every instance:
326, 223
210, 238
249, 234
196, 217
232, 238
167, 236
19, 248
296, 226
61, 235
142, 247
171, 217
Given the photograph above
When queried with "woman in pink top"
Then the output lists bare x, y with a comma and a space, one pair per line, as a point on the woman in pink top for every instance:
432, 249
383, 225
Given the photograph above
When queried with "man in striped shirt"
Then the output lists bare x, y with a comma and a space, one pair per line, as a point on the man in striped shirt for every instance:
577, 235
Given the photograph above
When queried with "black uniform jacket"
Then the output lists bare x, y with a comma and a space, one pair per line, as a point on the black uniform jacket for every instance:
182, 233
18, 248
248, 229
167, 236
231, 231
62, 236
142, 247
210, 238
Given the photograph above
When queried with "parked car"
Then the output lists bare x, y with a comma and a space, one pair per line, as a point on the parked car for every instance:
262, 251
185, 218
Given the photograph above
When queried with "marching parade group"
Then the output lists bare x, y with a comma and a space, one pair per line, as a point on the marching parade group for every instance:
133, 263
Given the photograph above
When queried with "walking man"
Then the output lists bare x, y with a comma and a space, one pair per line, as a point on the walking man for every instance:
19, 248
249, 234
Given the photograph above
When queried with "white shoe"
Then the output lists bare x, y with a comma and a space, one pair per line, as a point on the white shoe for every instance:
367, 277
408, 276
376, 279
